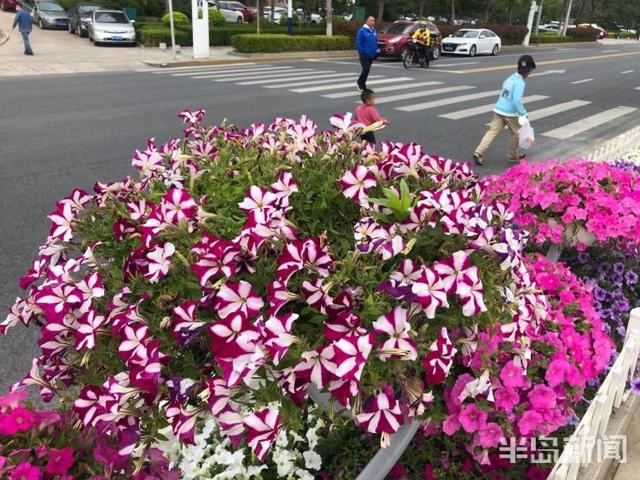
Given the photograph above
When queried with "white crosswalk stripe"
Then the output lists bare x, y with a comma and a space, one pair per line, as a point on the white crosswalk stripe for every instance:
350, 84
249, 76
587, 123
243, 73
447, 101
197, 68
390, 88
221, 72
286, 78
470, 112
324, 79
555, 109
424, 93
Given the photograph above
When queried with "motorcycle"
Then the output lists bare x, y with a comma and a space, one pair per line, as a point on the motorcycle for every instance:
414, 55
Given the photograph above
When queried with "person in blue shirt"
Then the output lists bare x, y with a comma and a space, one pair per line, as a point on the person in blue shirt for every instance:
23, 20
367, 46
506, 112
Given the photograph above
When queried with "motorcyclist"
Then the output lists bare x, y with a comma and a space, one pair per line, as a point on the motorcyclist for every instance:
422, 36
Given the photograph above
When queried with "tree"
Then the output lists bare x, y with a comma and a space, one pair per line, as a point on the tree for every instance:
380, 10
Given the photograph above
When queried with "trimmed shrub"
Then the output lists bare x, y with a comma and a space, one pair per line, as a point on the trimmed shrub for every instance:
216, 18
337, 19
583, 34
179, 18
151, 35
284, 20
253, 43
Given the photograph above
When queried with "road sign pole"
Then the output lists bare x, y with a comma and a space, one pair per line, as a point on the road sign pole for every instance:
173, 31
290, 17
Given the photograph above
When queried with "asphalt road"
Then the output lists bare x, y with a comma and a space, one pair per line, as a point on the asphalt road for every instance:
65, 131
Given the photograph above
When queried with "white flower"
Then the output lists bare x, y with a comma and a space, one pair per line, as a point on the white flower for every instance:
282, 440
312, 438
303, 474
284, 460
312, 460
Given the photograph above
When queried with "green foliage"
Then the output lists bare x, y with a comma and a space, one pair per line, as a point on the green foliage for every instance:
152, 34
295, 19
555, 38
267, 43
399, 203
337, 19
216, 18
151, 8
179, 18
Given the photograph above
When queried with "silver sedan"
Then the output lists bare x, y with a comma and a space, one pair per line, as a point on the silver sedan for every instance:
110, 26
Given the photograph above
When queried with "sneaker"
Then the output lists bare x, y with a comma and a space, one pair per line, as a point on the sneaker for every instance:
478, 159
522, 156
28, 53
359, 88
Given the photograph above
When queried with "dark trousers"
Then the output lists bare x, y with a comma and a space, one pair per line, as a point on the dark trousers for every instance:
369, 137
365, 61
25, 40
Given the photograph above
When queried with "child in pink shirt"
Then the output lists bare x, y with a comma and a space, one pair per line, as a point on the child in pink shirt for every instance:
367, 114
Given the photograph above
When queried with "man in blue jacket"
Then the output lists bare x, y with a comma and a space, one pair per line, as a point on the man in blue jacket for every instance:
23, 20
367, 45
506, 112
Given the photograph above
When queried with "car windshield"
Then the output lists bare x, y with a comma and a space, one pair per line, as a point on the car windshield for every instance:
398, 28
111, 17
466, 34
50, 7
88, 8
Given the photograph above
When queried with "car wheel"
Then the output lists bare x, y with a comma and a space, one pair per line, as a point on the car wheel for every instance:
79, 31
239, 20
473, 51
435, 53
2, 7
495, 50
71, 30
40, 24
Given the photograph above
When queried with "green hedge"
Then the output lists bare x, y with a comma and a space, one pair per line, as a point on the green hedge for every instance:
252, 43
150, 34
619, 34
573, 35
550, 38
179, 18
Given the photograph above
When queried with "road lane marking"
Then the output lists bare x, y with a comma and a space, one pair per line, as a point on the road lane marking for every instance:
451, 64
470, 112
221, 72
243, 76
637, 88
547, 72
323, 80
350, 84
240, 73
587, 123
448, 101
627, 71
390, 88
426, 93
203, 67
551, 62
559, 108
287, 77
578, 82
609, 51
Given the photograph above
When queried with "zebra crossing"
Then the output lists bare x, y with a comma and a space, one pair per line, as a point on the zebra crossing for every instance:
405, 92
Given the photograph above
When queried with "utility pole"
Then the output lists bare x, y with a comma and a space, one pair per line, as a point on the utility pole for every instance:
290, 18
539, 17
566, 19
172, 29
532, 12
329, 31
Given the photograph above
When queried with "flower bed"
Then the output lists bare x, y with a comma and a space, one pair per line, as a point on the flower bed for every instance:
243, 267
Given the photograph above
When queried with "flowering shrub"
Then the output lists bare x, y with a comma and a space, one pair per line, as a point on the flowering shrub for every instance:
43, 444
555, 200
246, 266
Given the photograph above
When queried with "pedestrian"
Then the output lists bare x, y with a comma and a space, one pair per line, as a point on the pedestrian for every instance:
23, 20
367, 114
367, 45
506, 111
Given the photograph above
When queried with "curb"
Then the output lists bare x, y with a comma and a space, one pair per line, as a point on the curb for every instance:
4, 37
243, 57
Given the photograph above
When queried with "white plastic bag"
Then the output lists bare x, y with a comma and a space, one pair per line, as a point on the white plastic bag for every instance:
526, 137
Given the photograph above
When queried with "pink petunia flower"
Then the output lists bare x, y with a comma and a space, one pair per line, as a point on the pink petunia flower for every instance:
60, 461
542, 397
356, 182
262, 429
396, 325
238, 298
159, 261
513, 376
384, 415
25, 471
19, 419
490, 435
472, 418
530, 422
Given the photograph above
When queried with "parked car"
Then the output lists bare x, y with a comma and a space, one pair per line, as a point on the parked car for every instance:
551, 27
8, 5
79, 13
603, 33
46, 14
248, 14
393, 39
230, 15
471, 41
111, 26
277, 13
